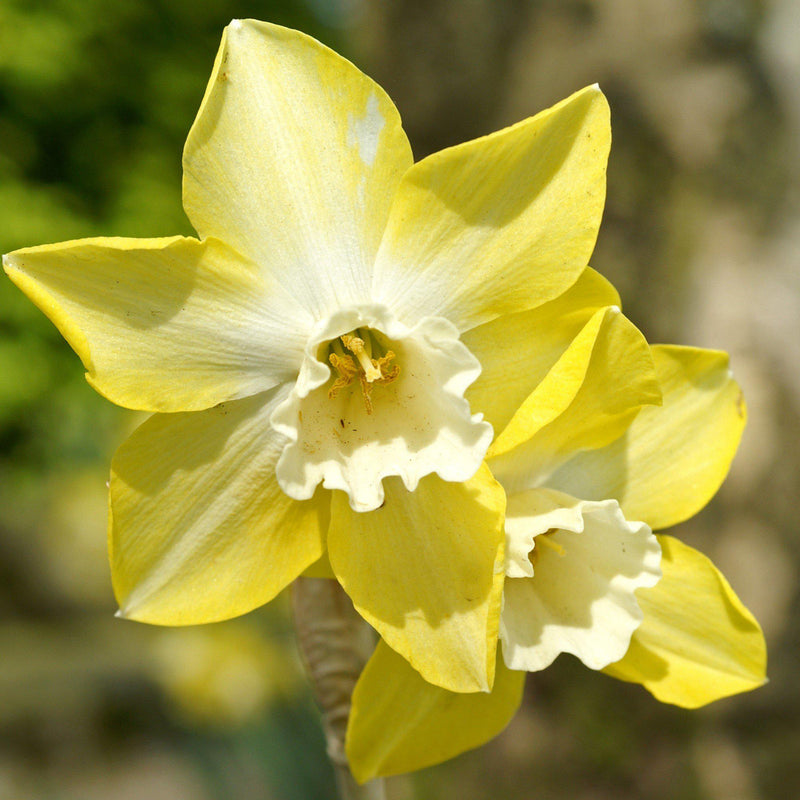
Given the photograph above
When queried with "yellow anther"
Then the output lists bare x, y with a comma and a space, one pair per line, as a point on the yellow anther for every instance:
388, 374
368, 370
347, 371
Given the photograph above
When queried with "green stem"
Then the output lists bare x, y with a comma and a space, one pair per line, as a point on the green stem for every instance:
334, 643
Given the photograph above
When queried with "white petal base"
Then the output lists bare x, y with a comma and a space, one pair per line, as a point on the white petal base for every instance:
418, 424
577, 593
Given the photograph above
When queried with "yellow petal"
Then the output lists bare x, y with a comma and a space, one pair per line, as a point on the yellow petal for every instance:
401, 723
164, 324
321, 568
200, 530
426, 571
697, 642
293, 160
499, 224
516, 351
672, 459
587, 400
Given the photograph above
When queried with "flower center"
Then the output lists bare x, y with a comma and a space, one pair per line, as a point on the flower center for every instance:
420, 424
368, 359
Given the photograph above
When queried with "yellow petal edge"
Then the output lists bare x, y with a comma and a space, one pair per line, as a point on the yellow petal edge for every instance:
204, 532
502, 223
516, 351
577, 406
673, 458
400, 723
171, 324
426, 571
697, 642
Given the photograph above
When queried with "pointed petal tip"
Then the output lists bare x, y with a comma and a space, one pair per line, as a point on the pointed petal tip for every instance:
593, 92
697, 643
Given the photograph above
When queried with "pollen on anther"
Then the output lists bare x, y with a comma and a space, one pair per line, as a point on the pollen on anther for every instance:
361, 364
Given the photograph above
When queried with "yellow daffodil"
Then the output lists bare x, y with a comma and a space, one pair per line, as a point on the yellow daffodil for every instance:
318, 336
614, 439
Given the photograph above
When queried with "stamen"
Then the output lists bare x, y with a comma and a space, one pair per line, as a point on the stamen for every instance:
387, 374
366, 391
347, 371
369, 370
551, 544
545, 539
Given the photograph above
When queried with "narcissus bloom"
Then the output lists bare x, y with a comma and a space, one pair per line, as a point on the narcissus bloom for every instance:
309, 358
614, 439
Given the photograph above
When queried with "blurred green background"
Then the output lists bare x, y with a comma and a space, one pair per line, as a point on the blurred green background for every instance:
701, 236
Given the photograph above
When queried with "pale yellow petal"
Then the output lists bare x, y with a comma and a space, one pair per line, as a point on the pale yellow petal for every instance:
401, 723
673, 458
293, 160
499, 224
200, 530
697, 642
516, 351
165, 324
426, 571
587, 400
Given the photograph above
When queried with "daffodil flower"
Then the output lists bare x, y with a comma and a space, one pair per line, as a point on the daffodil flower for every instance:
614, 439
308, 358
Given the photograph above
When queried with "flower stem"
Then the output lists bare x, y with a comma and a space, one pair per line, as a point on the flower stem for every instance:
334, 643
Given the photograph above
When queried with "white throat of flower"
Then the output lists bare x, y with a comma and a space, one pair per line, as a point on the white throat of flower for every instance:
376, 398
572, 570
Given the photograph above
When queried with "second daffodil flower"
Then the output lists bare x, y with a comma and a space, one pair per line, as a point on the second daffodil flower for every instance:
601, 439
315, 338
